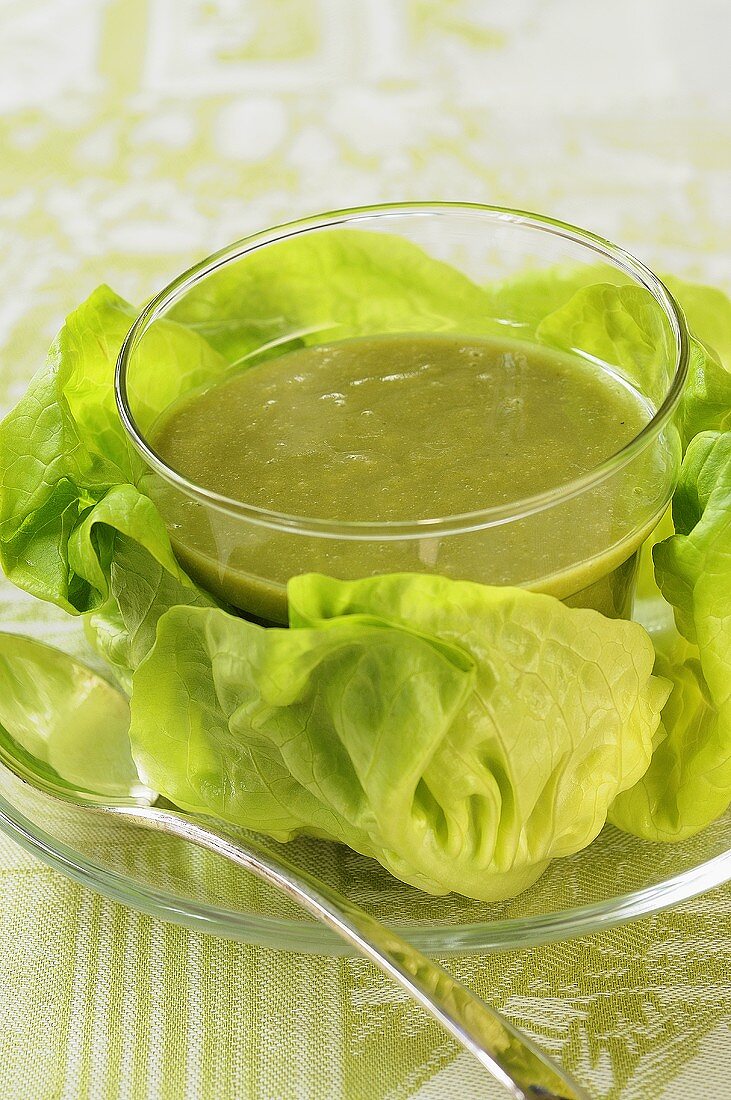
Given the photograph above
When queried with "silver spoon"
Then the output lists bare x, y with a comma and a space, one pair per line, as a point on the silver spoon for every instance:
64, 731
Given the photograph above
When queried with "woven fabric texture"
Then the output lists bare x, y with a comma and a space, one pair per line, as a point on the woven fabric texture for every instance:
140, 135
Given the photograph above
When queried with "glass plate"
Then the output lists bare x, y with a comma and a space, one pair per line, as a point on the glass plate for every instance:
617, 878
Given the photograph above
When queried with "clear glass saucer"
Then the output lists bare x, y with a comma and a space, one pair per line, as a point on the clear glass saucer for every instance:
615, 879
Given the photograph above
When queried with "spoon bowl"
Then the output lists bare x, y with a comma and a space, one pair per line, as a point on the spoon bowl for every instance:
64, 729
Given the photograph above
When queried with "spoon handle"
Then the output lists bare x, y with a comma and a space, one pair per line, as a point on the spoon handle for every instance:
512, 1059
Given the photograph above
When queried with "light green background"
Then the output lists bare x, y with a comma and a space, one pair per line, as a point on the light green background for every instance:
139, 135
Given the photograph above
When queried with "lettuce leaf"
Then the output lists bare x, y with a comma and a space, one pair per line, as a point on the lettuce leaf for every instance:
462, 735
688, 783
708, 313
622, 325
521, 302
286, 731
333, 284
706, 401
74, 527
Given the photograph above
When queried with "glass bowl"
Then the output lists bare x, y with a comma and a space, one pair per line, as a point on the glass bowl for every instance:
435, 269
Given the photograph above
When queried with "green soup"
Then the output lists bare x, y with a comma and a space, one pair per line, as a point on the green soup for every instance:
408, 428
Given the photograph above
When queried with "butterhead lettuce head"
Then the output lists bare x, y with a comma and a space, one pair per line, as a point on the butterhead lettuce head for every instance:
461, 735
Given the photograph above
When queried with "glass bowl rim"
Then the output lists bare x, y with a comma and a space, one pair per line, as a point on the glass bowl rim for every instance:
309, 936
423, 528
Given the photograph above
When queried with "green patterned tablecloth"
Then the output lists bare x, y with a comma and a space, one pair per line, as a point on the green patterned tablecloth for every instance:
138, 135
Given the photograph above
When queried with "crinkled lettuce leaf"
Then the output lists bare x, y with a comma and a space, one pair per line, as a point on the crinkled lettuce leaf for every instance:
462, 735
287, 731
706, 401
623, 325
688, 783
708, 313
330, 285
74, 527
520, 302
593, 309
